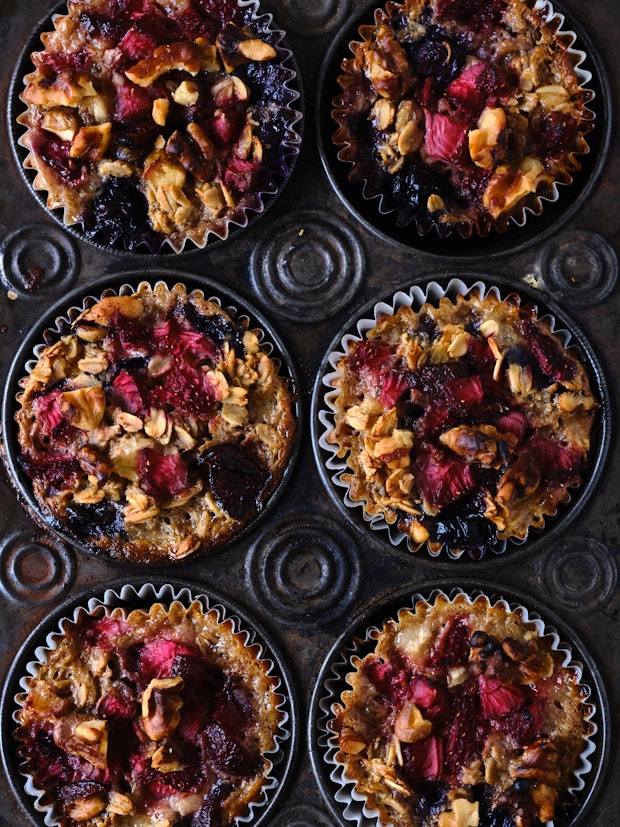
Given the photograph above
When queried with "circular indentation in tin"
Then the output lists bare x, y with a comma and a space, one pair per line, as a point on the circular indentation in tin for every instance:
302, 815
313, 19
38, 258
35, 569
581, 266
311, 268
303, 570
581, 573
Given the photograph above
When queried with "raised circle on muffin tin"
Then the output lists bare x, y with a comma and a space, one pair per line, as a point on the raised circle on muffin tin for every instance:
534, 228
415, 294
58, 319
247, 217
129, 596
346, 805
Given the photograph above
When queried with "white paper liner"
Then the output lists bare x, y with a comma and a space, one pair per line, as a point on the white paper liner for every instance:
415, 297
147, 595
584, 76
237, 217
353, 804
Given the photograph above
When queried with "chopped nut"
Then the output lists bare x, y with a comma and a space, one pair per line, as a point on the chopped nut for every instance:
170, 57
83, 736
385, 424
94, 364
90, 332
161, 705
202, 141
61, 123
128, 422
486, 143
83, 408
410, 139
159, 113
68, 89
186, 93
571, 401
545, 798
350, 741
120, 804
208, 53
165, 760
236, 48
489, 328
92, 142
458, 345
410, 725
84, 809
464, 813
538, 762
553, 96
419, 532
106, 308
356, 418
382, 113
520, 378
255, 49
235, 415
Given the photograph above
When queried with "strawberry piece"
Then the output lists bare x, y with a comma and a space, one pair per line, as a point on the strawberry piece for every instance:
513, 422
132, 103
466, 392
424, 760
222, 750
187, 390
241, 174
442, 479
162, 475
393, 385
523, 726
465, 735
446, 137
127, 394
464, 91
554, 460
47, 411
431, 697
550, 358
451, 647
498, 700
390, 678
157, 657
373, 360
189, 345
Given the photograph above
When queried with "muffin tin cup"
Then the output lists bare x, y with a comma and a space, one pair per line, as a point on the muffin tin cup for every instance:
540, 217
332, 467
127, 597
57, 322
346, 804
224, 228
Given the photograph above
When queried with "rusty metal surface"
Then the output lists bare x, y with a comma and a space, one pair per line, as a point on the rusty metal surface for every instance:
305, 572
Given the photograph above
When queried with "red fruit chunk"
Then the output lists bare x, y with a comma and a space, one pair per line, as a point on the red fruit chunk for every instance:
210, 814
241, 174
465, 734
221, 749
156, 658
441, 479
523, 726
55, 153
70, 793
186, 390
126, 393
103, 630
512, 423
117, 705
189, 345
446, 137
47, 411
464, 92
390, 678
451, 647
424, 759
53, 62
393, 385
553, 459
550, 357
431, 697
162, 475
132, 103
556, 134
498, 700
465, 392
372, 359
236, 481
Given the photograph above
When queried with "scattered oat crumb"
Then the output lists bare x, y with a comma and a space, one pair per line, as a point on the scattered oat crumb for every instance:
12, 295
301, 232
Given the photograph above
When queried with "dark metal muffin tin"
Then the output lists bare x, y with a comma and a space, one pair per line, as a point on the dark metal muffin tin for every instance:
308, 264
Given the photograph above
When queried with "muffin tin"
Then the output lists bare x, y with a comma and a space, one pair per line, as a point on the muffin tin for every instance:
304, 576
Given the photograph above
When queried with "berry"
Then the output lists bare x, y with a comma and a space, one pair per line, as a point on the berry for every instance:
237, 482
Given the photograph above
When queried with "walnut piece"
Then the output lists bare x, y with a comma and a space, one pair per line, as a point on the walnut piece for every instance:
182, 56
83, 736
161, 705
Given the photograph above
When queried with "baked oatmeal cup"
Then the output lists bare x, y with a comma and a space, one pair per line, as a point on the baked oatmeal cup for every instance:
462, 117
457, 419
171, 713
153, 124
462, 711
154, 426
